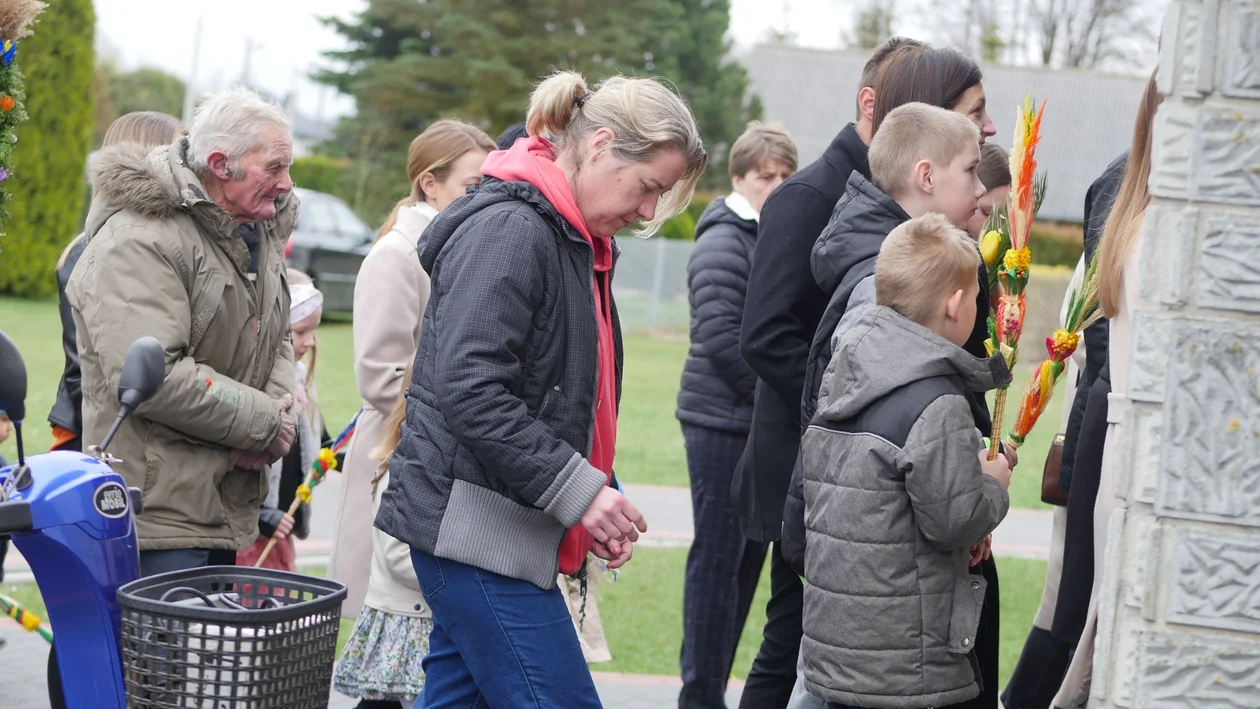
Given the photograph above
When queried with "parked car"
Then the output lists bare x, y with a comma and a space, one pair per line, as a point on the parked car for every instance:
328, 244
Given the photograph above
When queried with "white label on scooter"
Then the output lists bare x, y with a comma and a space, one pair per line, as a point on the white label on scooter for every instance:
111, 500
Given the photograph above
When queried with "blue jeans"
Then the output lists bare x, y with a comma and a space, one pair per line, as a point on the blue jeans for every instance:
498, 642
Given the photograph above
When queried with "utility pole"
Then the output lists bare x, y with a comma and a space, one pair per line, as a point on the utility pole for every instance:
251, 46
190, 88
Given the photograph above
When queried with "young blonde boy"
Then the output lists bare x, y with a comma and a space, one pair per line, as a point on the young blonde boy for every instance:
923, 160
898, 487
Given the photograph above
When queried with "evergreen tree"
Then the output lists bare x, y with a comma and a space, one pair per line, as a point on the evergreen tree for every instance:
49, 158
715, 85
410, 63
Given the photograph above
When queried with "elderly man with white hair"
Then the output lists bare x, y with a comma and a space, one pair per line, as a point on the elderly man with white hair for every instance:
186, 244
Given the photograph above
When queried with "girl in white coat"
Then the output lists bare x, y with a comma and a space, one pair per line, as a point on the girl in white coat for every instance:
381, 661
390, 295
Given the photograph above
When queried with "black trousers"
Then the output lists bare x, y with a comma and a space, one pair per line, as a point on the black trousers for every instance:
723, 568
773, 673
1039, 672
1077, 582
988, 636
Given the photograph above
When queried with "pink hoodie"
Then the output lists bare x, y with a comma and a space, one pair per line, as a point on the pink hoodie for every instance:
530, 160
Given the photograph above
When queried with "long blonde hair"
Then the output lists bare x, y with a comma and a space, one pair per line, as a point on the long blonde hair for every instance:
392, 431
149, 129
1124, 223
433, 152
644, 116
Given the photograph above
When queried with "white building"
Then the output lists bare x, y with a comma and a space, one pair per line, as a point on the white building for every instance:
1088, 119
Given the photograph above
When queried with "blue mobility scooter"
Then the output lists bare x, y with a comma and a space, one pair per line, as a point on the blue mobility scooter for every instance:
214, 638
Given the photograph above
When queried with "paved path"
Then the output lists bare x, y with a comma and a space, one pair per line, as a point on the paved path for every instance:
1024, 533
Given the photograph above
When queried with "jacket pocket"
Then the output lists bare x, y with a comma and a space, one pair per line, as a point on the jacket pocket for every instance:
182, 479
205, 307
969, 590
428, 571
550, 400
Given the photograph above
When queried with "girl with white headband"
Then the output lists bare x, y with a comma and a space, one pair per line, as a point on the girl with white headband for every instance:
284, 476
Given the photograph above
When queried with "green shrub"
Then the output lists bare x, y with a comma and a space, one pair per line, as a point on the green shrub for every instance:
49, 158
682, 226
1056, 244
318, 172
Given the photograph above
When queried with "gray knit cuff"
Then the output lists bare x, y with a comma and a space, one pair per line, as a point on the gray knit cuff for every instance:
573, 491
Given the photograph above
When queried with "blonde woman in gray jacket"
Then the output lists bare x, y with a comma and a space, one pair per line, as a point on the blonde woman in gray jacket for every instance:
390, 295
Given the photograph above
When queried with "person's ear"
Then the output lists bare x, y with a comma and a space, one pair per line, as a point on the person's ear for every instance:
217, 161
599, 142
866, 103
923, 177
737, 184
953, 306
428, 186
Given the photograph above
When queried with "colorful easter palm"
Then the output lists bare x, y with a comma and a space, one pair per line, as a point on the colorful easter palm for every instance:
1006, 318
1082, 312
324, 462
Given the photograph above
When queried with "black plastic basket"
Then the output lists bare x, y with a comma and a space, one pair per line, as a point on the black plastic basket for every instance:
229, 637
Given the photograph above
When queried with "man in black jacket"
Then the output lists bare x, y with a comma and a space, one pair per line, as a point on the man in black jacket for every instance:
783, 307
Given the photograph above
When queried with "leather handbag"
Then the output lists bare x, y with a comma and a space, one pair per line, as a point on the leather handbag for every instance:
1051, 493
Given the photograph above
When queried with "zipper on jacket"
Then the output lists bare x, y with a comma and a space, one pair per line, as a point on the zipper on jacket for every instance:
590, 441
258, 285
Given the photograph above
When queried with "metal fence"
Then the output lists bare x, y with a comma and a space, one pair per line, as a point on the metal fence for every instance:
651, 290
651, 284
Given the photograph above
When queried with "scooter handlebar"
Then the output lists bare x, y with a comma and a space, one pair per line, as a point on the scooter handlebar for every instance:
15, 517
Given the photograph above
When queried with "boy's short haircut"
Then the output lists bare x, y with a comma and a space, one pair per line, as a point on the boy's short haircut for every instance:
760, 143
915, 132
921, 262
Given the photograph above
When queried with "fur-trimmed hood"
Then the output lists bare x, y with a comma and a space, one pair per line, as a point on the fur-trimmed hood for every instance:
158, 184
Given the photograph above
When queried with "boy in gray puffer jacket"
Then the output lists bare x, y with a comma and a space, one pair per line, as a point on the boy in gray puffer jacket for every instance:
898, 487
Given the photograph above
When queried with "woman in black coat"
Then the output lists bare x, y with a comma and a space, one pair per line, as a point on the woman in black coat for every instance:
715, 404
149, 129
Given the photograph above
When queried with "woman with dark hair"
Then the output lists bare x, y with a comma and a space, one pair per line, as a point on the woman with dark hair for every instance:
940, 77
994, 172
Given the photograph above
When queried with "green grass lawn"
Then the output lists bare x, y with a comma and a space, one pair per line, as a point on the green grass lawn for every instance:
650, 644
650, 447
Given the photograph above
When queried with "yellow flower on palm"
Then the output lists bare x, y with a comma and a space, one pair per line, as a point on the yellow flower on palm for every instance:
1017, 259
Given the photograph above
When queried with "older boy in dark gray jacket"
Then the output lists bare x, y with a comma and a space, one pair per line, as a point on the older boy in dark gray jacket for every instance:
898, 487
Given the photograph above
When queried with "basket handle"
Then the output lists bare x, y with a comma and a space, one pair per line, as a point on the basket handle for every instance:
166, 597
